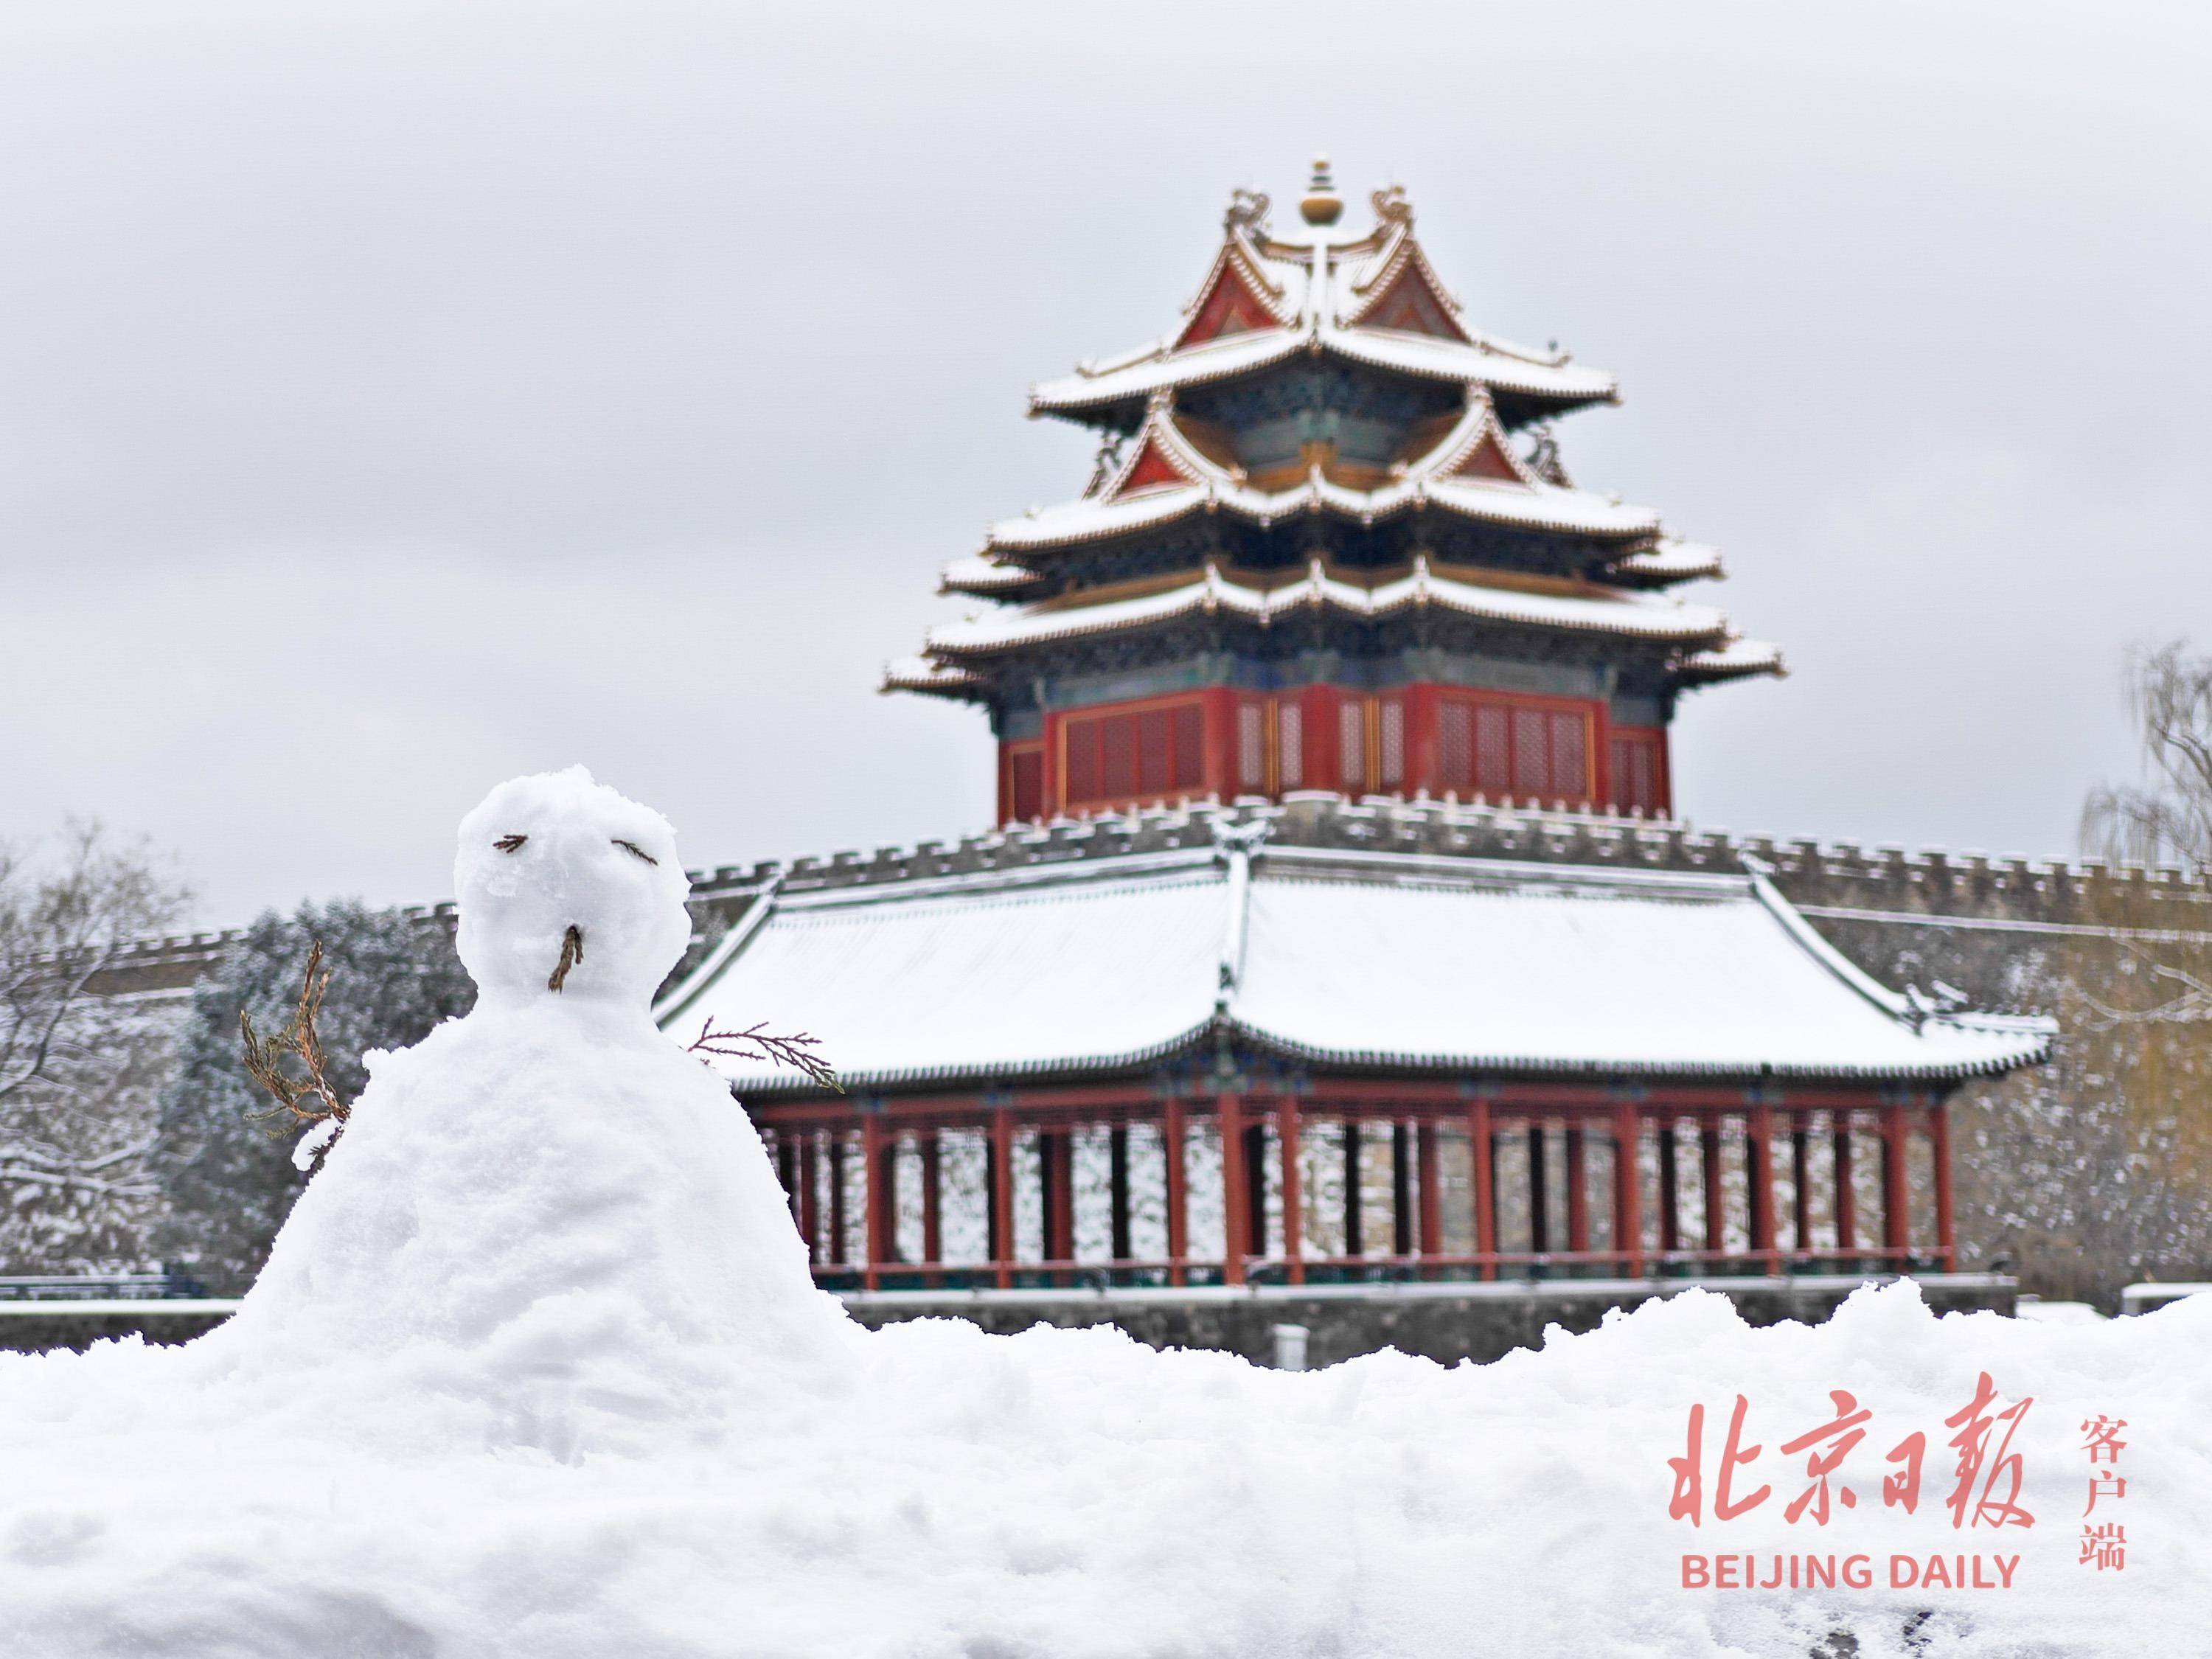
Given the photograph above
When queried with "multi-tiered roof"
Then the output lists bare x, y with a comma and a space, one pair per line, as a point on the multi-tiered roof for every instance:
1326, 474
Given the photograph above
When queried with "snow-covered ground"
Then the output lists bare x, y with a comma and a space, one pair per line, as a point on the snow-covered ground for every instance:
537, 1367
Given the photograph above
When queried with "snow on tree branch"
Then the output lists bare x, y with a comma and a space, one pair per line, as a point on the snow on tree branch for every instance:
77, 1063
2169, 817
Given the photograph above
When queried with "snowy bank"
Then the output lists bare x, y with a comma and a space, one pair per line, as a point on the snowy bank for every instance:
537, 1367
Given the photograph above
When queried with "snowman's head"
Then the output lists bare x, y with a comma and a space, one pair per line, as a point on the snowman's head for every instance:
568, 890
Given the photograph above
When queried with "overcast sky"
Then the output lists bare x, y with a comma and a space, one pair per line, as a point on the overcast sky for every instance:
393, 398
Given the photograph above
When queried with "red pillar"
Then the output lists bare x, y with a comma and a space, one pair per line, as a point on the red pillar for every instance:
1628, 1186
1847, 1198
1577, 1191
1432, 1193
1217, 765
1709, 1146
1801, 1179
1228, 1114
1056, 1170
1939, 1142
1117, 1192
1355, 1226
1485, 1183
1171, 1141
1063, 1186
1540, 1194
1896, 1215
1286, 1133
1401, 1189
1759, 1169
1002, 1198
876, 1153
932, 1235
1256, 1181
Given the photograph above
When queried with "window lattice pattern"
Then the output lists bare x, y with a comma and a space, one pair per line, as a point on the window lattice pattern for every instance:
1251, 747
1352, 744
1496, 750
1146, 754
1390, 743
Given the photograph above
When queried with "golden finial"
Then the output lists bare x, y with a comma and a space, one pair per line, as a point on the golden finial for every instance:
1322, 205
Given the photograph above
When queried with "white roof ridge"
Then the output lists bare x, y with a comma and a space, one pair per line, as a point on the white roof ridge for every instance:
1234, 844
1093, 367
710, 967
1542, 507
1808, 937
1426, 356
1623, 611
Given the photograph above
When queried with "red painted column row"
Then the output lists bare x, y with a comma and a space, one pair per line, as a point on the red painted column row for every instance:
1242, 1123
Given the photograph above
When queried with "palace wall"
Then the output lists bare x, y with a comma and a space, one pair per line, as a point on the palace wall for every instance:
2079, 1176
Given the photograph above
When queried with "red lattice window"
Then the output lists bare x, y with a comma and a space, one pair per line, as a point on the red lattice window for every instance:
1532, 756
1529, 752
1145, 754
1455, 745
1638, 764
1352, 744
1493, 749
1390, 743
1290, 745
1569, 742
1251, 747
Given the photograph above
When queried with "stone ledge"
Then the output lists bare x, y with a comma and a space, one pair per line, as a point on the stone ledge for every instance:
1446, 1322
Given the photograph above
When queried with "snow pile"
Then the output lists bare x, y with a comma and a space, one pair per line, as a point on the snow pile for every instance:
537, 1367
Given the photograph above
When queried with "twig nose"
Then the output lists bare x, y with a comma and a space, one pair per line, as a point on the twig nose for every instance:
572, 952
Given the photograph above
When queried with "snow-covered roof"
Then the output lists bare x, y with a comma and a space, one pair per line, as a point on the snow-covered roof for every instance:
1588, 608
984, 578
920, 674
1736, 659
1164, 368
1472, 470
1328, 293
1372, 961
1669, 561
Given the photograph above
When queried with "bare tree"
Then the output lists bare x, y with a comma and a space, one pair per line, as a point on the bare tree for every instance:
226, 1163
2168, 818
2122, 1123
78, 1063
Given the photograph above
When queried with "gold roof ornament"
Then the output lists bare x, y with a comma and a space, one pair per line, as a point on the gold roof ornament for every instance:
1322, 205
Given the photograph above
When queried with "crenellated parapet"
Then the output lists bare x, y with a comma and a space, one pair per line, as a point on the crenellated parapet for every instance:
1819, 876
1815, 873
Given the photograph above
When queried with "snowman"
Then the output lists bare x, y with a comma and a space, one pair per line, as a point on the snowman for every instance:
546, 1213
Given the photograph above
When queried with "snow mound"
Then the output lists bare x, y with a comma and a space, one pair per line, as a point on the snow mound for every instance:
537, 1367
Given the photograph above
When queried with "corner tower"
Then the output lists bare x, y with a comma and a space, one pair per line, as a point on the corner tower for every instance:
1329, 544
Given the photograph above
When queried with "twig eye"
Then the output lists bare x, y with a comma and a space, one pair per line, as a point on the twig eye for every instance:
635, 851
509, 843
